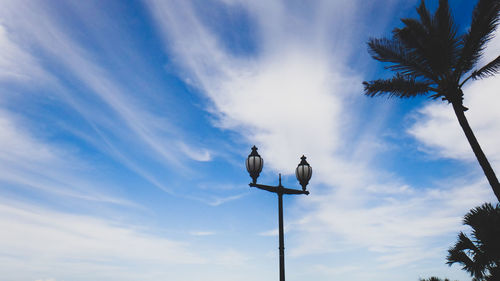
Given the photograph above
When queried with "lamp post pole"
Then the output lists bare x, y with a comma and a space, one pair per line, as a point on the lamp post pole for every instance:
281, 234
280, 190
303, 173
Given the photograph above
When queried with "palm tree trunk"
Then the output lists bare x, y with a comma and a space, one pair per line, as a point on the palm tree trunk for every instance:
476, 148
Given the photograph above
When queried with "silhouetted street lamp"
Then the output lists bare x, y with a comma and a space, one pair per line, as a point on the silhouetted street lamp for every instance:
303, 172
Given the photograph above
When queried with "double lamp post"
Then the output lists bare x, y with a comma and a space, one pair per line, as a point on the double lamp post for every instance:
303, 172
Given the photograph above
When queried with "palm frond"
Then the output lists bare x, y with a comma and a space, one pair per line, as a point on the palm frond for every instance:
411, 33
480, 255
443, 22
485, 222
434, 43
494, 274
476, 217
402, 61
484, 22
414, 33
446, 33
399, 86
413, 39
464, 243
425, 15
460, 257
490, 69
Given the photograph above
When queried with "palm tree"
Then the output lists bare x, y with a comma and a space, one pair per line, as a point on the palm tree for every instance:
430, 59
480, 256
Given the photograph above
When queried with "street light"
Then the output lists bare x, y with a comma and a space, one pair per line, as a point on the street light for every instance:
303, 172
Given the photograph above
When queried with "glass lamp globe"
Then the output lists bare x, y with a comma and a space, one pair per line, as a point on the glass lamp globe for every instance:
303, 172
254, 164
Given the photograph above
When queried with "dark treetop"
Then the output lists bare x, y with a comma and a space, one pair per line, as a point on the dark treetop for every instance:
430, 58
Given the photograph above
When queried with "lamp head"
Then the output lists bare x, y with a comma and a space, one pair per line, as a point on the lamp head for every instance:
303, 172
254, 164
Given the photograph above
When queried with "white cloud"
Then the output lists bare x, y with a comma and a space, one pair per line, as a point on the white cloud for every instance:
17, 146
272, 232
287, 99
329, 270
231, 258
393, 225
37, 241
295, 95
436, 126
202, 155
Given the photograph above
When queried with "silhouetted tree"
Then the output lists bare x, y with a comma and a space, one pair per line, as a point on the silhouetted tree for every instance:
430, 59
480, 254
434, 279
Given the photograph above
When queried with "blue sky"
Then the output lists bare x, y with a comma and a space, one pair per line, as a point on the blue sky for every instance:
124, 126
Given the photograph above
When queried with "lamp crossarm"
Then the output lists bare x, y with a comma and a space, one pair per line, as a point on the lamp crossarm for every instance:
294, 191
278, 189
269, 188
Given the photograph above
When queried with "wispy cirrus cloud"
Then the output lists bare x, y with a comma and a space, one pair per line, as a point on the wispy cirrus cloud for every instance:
114, 117
64, 211
33, 164
15, 63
